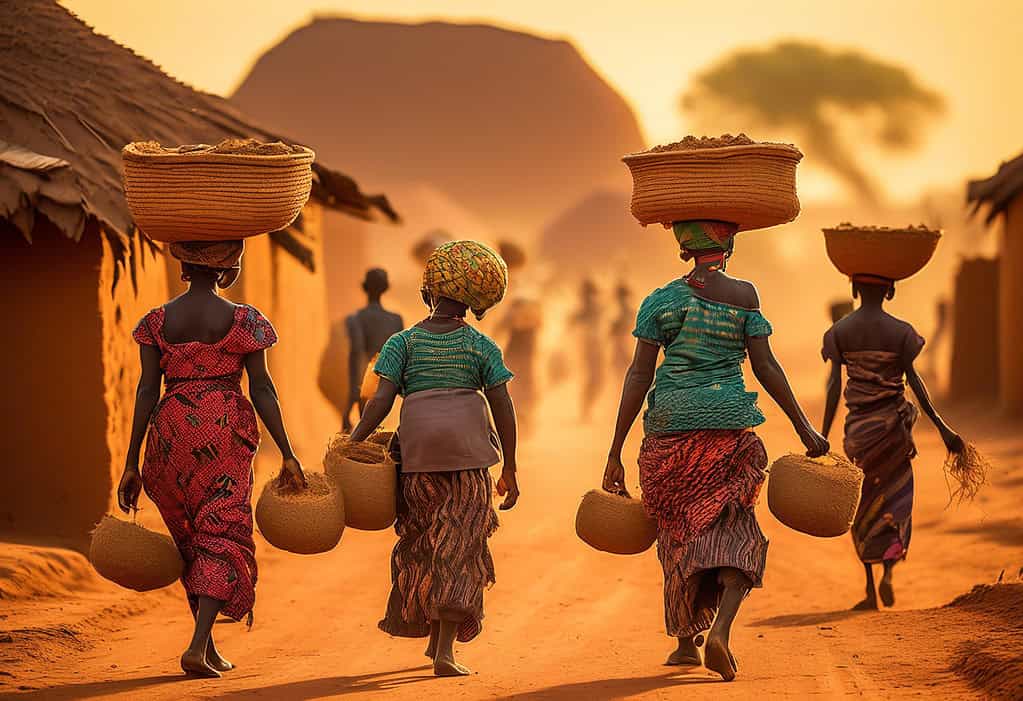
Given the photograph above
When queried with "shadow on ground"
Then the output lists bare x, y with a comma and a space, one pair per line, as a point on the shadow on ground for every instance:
293, 691
609, 689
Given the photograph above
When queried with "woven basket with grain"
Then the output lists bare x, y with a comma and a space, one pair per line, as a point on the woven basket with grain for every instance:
614, 524
895, 254
134, 557
751, 184
305, 522
368, 480
817, 496
234, 190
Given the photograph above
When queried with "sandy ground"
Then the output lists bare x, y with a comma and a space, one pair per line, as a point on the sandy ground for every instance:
563, 621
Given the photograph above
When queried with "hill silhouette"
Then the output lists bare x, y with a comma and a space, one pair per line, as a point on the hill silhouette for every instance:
510, 125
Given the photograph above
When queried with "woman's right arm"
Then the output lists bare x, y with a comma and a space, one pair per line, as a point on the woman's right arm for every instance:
147, 395
265, 401
376, 410
638, 380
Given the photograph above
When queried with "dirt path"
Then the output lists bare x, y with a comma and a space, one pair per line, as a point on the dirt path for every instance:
564, 621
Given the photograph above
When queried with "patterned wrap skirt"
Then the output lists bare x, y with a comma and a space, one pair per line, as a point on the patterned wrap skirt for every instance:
441, 564
701, 487
198, 471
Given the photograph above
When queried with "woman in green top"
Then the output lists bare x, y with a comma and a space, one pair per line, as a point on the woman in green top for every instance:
701, 466
449, 375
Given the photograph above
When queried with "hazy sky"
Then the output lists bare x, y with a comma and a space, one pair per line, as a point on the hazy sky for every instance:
648, 49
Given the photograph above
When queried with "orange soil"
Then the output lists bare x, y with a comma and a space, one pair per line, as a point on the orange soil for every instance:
567, 622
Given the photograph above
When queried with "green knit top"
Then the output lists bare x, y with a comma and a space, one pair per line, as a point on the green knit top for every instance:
417, 359
699, 385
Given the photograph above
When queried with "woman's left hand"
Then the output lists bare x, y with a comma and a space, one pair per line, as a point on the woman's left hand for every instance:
292, 475
953, 442
508, 487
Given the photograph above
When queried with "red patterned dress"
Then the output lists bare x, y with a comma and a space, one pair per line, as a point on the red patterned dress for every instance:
198, 462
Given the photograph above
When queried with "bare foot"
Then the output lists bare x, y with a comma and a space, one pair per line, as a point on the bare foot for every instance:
868, 604
686, 655
718, 657
886, 591
447, 667
194, 665
215, 660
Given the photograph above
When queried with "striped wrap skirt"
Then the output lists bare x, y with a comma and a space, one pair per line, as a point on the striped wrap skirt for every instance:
441, 564
701, 487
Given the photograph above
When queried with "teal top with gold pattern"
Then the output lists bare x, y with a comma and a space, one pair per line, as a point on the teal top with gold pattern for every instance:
699, 384
417, 359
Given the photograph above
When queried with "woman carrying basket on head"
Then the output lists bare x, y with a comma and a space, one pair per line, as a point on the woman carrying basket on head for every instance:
202, 436
878, 352
449, 375
701, 465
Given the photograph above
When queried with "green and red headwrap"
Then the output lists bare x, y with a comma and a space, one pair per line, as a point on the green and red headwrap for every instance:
701, 235
709, 242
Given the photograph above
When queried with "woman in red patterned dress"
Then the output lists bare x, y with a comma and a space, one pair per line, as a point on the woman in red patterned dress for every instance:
203, 435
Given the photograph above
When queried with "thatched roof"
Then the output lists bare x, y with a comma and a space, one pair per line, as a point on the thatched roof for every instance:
70, 99
999, 190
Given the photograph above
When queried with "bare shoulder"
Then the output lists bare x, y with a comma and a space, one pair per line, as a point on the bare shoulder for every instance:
746, 292
898, 324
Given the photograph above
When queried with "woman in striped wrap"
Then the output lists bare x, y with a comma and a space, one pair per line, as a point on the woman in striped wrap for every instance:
701, 466
449, 375
878, 351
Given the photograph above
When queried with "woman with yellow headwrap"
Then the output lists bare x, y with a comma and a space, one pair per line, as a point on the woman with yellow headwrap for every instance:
449, 374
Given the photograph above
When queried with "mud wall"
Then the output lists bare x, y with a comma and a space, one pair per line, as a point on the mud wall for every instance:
974, 367
119, 313
1010, 304
295, 301
56, 479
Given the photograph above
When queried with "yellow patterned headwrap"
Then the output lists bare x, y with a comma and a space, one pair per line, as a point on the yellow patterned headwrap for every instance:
467, 272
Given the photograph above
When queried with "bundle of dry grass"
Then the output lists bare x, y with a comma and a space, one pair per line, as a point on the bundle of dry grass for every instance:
381, 438
134, 557
306, 521
817, 496
368, 480
614, 524
968, 468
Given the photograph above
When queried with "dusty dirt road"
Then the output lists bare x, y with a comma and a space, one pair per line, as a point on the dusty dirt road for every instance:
563, 621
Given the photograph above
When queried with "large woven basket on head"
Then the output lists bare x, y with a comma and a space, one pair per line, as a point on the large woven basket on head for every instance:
614, 524
895, 254
134, 557
750, 184
233, 190
817, 496
367, 478
305, 522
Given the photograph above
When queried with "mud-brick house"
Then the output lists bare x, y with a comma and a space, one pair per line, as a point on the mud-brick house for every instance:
77, 274
1002, 195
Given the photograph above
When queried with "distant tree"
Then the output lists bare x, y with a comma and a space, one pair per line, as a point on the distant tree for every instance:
809, 90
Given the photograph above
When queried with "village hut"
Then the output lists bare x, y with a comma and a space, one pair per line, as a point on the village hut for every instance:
1002, 195
77, 274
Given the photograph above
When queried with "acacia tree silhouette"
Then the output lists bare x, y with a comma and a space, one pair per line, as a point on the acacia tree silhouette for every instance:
809, 90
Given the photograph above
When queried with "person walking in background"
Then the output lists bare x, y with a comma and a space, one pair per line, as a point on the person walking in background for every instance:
621, 327
202, 436
878, 352
591, 346
450, 375
701, 466
368, 329
522, 324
